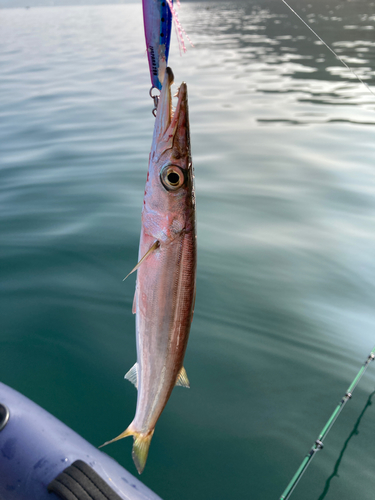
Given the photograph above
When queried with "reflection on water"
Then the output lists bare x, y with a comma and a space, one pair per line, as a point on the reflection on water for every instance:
283, 147
268, 39
354, 432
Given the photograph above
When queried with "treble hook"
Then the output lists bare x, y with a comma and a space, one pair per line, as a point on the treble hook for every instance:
155, 98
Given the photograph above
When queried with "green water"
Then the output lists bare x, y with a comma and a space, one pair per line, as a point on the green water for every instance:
283, 147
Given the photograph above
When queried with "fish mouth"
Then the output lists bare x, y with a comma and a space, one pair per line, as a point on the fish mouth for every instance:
170, 124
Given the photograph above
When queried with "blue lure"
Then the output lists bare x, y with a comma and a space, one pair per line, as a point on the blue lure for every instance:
157, 18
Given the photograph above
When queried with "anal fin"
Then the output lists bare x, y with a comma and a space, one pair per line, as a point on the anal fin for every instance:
182, 378
132, 375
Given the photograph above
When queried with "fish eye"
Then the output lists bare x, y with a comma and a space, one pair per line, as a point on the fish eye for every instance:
172, 177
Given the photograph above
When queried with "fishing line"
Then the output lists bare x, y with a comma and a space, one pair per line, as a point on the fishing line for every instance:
329, 48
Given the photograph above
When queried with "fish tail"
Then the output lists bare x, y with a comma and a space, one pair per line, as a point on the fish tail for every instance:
128, 432
141, 446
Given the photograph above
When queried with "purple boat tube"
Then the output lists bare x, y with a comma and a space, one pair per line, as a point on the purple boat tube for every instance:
43, 459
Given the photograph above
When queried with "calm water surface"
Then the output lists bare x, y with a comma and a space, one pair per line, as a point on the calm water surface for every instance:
283, 146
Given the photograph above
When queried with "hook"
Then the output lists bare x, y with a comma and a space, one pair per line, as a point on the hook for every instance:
155, 98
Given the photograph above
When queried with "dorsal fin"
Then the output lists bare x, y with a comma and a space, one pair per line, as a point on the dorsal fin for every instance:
182, 378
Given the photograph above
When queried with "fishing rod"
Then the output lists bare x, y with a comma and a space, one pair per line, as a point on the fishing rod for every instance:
318, 445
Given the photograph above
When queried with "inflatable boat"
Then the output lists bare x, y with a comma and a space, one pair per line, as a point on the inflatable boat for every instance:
43, 459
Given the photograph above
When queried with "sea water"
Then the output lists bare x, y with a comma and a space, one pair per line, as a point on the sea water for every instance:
283, 147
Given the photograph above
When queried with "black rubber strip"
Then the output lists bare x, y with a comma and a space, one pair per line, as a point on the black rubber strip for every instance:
80, 482
4, 416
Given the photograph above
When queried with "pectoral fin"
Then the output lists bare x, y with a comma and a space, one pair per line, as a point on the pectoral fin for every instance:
182, 378
153, 247
132, 375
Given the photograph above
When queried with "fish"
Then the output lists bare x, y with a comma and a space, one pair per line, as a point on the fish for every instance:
166, 271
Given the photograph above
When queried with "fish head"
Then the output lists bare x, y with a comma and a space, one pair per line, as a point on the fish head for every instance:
169, 202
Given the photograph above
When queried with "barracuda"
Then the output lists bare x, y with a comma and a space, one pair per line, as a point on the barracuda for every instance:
165, 288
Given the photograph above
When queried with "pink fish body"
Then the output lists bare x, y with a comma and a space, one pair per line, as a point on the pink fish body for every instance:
165, 288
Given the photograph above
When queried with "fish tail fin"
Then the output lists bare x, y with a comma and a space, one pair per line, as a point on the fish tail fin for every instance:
128, 432
141, 446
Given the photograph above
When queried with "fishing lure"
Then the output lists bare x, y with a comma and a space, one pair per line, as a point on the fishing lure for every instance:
158, 16
157, 19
